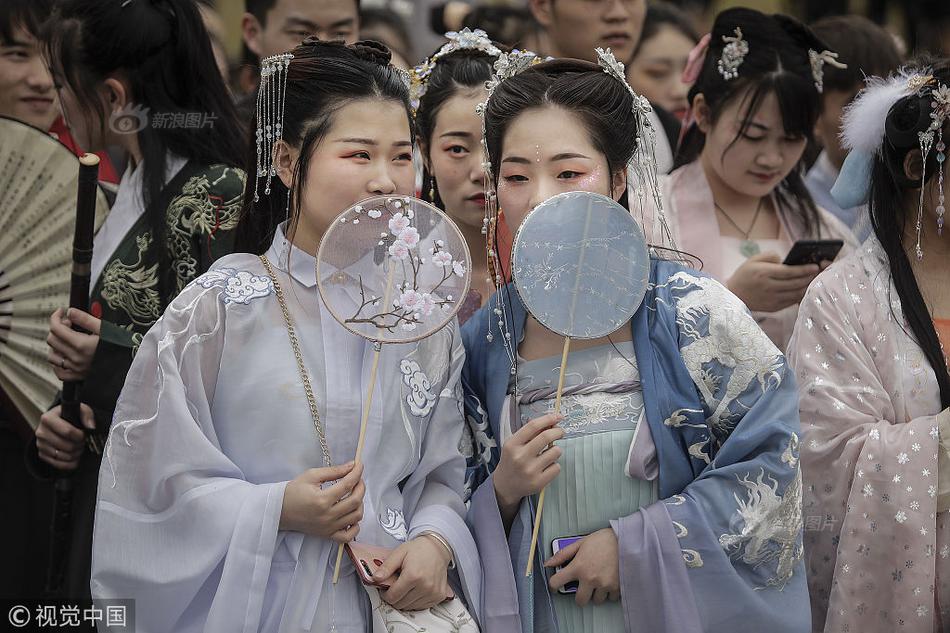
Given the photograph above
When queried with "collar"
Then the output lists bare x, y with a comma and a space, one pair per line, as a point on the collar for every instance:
302, 266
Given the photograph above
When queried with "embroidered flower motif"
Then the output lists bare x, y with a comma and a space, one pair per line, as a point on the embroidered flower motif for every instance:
395, 524
399, 250
239, 286
420, 398
410, 236
442, 258
428, 304
458, 268
398, 223
410, 300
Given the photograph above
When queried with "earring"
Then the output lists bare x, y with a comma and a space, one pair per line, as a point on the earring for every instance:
287, 206
941, 158
432, 190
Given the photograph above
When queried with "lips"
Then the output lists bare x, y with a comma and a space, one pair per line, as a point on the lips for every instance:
764, 177
478, 198
38, 103
616, 39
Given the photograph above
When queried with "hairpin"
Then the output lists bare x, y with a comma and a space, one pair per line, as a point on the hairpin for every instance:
733, 54
940, 112
818, 61
466, 39
270, 115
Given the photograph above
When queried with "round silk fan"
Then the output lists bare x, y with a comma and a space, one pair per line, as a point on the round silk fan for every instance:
581, 266
38, 182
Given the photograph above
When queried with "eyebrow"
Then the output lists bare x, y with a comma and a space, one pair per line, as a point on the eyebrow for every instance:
459, 134
313, 26
371, 142
15, 43
568, 155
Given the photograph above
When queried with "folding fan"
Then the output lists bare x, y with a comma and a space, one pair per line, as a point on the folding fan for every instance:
38, 181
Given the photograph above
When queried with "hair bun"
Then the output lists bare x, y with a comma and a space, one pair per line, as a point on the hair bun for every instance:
372, 51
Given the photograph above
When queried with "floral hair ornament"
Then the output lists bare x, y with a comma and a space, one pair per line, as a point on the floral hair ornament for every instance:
270, 116
864, 129
733, 54
466, 39
818, 61
393, 269
642, 165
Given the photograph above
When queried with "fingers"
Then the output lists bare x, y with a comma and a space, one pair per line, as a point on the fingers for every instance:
59, 464
563, 555
87, 417
51, 424
84, 320
393, 563
351, 504
535, 426
63, 338
585, 592
600, 596
783, 272
549, 457
349, 520
52, 443
545, 438
346, 535
770, 257
562, 577
322, 475
347, 483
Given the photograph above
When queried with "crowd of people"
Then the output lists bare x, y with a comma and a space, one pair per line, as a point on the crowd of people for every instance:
762, 446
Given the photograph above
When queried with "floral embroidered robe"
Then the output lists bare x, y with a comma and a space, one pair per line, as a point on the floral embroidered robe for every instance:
722, 548
214, 421
877, 551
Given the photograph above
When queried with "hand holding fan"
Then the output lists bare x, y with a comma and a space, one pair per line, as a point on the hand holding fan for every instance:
580, 264
391, 269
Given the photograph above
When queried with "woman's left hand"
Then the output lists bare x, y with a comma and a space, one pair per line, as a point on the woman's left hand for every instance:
71, 352
416, 573
595, 565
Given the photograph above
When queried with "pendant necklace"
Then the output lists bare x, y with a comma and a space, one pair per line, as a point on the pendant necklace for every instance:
748, 247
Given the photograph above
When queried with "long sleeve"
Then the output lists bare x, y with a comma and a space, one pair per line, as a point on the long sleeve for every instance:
434, 490
870, 461
178, 527
725, 553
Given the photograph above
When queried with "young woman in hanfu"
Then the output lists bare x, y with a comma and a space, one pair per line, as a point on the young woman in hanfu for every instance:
449, 86
118, 66
870, 350
676, 459
227, 482
736, 199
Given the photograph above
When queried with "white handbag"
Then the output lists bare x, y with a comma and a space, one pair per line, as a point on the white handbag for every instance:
450, 616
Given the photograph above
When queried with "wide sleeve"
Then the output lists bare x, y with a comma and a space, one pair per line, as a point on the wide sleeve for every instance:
871, 470
725, 553
434, 490
177, 526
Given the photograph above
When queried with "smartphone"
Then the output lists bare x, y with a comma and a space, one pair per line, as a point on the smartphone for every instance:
367, 559
813, 252
556, 546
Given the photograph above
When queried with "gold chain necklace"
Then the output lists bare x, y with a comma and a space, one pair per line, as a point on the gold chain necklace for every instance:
301, 368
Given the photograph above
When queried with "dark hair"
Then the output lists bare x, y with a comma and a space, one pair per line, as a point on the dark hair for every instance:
260, 8
660, 14
322, 78
889, 218
25, 14
150, 43
777, 63
509, 25
466, 69
865, 47
370, 17
602, 103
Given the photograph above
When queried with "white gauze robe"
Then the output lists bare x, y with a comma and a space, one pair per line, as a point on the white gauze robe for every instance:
212, 424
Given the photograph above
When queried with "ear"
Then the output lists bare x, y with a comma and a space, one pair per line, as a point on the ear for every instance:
914, 165
116, 94
701, 113
618, 184
251, 32
543, 11
285, 162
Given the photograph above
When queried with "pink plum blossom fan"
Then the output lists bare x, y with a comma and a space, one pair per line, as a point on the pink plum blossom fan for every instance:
391, 269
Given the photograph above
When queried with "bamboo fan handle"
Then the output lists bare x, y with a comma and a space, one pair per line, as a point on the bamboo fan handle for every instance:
557, 411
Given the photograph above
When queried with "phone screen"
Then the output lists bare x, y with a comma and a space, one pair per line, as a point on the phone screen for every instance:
557, 545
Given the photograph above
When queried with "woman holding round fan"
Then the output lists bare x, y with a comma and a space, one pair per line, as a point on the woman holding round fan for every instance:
118, 68
229, 481
674, 492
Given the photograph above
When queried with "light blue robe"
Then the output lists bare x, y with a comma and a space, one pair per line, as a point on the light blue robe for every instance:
722, 548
